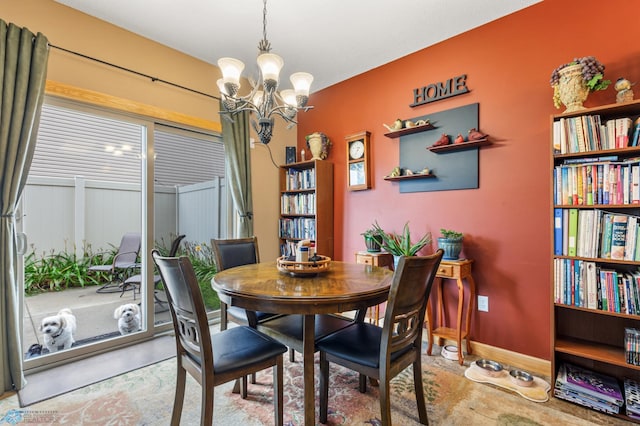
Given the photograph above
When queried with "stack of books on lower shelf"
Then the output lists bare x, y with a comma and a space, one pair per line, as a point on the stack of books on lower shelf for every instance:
632, 398
588, 388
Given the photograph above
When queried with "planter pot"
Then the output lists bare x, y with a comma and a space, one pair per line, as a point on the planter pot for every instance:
452, 248
572, 89
373, 245
396, 260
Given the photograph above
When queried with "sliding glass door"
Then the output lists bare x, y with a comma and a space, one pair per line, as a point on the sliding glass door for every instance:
104, 189
84, 225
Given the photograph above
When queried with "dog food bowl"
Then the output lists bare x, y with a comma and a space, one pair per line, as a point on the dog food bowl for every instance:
521, 378
490, 368
450, 352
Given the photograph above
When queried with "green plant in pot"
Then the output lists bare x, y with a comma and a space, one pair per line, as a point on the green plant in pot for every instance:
400, 244
451, 243
372, 240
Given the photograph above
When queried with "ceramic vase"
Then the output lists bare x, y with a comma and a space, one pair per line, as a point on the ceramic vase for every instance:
318, 144
396, 260
373, 245
451, 247
572, 89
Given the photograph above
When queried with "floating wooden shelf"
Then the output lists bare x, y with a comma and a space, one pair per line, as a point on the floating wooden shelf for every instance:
409, 130
415, 176
459, 146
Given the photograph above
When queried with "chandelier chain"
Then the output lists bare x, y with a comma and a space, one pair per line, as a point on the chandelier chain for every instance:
264, 46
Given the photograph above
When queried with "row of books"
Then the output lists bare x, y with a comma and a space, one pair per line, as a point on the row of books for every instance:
585, 284
590, 389
302, 203
588, 133
300, 179
288, 248
303, 228
596, 233
632, 346
604, 181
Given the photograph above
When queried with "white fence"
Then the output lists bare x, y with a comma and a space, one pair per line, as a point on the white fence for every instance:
60, 214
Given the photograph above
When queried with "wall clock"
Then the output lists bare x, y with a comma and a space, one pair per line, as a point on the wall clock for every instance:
358, 164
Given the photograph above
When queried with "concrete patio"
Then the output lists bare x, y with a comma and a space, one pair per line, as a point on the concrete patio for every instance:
93, 311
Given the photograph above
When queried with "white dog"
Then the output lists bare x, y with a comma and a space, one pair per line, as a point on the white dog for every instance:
128, 317
58, 330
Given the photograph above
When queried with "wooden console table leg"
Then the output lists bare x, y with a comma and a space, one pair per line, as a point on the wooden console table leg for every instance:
472, 304
459, 328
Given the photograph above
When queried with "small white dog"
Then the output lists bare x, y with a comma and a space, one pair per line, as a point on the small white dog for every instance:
128, 316
58, 330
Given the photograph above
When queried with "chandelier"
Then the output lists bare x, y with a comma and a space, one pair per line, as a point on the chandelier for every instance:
264, 101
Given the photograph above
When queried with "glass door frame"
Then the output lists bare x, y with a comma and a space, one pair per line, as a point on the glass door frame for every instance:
147, 228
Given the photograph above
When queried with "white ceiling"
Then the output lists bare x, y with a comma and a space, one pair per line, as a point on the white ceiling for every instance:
332, 39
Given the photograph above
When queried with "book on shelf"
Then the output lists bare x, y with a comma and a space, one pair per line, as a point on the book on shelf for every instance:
630, 238
589, 383
592, 285
557, 242
565, 232
623, 125
635, 135
618, 236
573, 232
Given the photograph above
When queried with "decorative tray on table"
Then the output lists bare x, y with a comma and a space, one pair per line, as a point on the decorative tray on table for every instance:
314, 266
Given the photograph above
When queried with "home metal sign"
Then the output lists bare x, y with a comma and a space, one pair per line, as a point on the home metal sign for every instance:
436, 91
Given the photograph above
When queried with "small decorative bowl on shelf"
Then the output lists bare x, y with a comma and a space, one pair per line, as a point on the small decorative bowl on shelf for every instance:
314, 266
490, 368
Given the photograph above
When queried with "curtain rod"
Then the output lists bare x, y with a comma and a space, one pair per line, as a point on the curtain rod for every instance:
154, 79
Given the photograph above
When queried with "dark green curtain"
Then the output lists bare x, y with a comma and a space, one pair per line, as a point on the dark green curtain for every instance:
235, 136
23, 71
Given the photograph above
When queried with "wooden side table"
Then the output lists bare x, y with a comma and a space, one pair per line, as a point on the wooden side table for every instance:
382, 259
458, 270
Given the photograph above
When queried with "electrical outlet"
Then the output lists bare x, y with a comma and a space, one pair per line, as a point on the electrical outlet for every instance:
483, 303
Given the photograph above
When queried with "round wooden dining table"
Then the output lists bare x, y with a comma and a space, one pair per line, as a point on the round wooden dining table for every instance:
344, 287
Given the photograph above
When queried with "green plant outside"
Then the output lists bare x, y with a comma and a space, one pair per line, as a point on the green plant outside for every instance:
60, 271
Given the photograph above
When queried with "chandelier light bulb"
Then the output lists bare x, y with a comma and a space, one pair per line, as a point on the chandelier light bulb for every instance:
301, 82
289, 97
231, 70
270, 65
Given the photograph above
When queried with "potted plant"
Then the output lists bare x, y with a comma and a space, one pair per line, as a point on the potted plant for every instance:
451, 243
400, 244
572, 82
372, 240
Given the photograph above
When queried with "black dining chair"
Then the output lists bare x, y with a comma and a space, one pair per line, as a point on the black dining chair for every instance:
212, 359
230, 253
383, 352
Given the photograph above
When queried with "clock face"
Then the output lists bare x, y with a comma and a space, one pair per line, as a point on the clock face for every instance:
356, 150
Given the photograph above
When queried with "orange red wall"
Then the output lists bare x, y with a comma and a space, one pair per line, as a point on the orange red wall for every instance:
507, 220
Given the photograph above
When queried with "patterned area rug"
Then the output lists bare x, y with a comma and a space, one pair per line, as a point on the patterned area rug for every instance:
145, 397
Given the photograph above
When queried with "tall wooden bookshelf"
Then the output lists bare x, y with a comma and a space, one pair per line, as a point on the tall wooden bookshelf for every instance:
306, 205
586, 332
